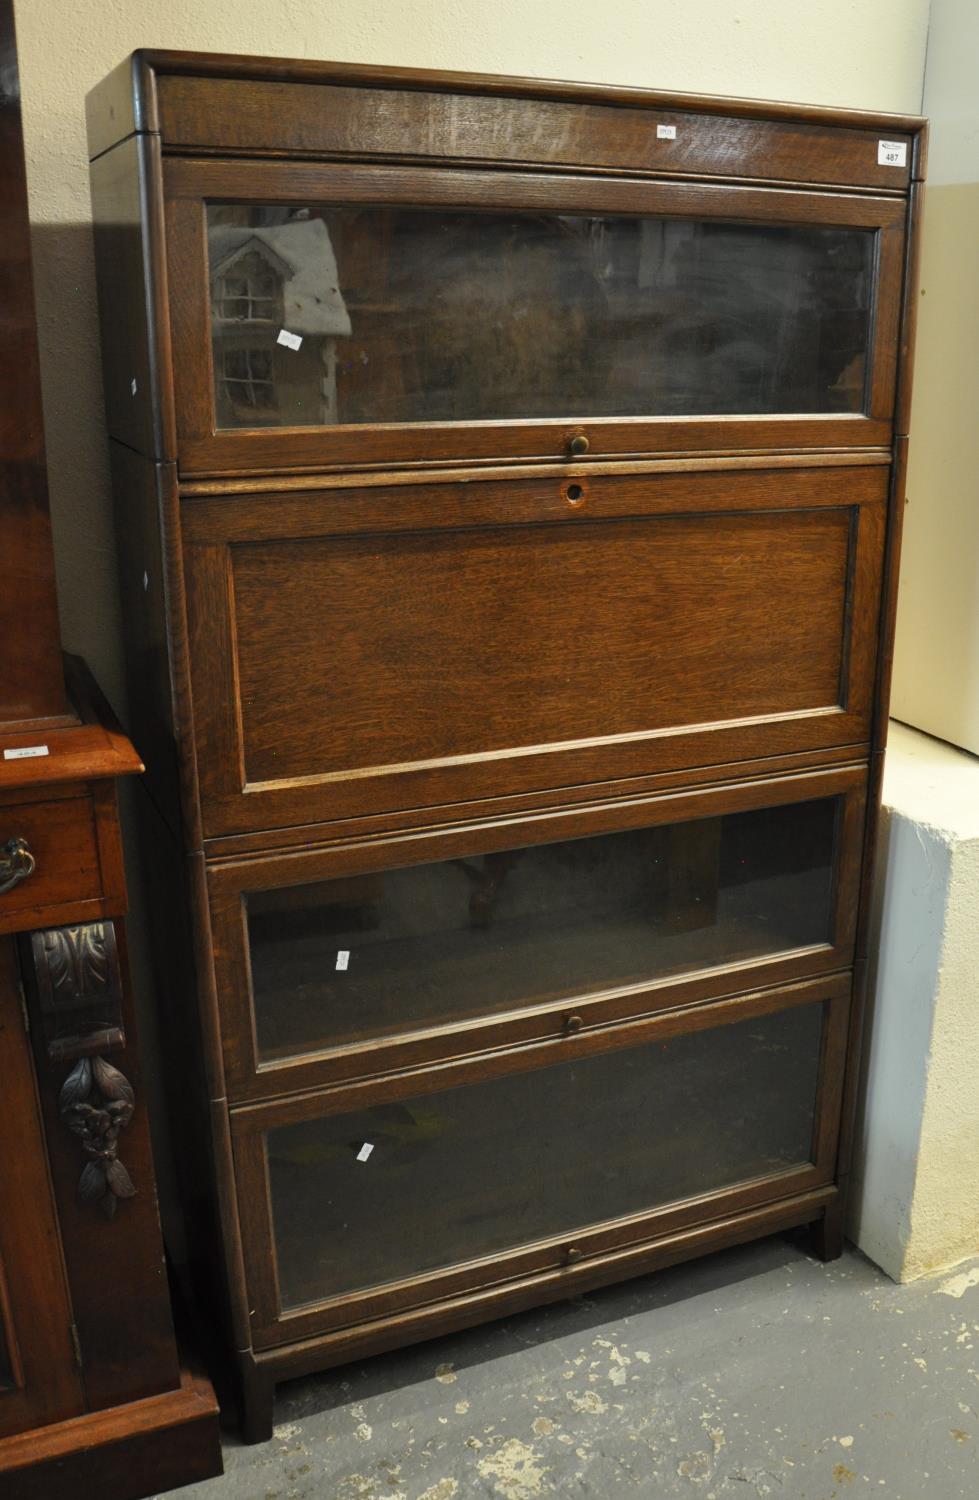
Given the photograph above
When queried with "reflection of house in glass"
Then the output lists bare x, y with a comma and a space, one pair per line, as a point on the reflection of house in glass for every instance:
283, 276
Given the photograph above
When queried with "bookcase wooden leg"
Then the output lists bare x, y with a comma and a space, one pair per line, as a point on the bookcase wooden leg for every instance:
826, 1234
257, 1402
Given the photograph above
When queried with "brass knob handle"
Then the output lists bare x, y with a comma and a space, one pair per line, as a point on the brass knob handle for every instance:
572, 1024
16, 863
578, 445
573, 1253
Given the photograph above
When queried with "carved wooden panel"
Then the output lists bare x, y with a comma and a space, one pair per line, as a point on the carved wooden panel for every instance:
79, 989
96, 1104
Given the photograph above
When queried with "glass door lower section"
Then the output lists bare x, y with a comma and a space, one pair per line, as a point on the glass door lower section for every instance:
388, 1195
400, 1189
356, 960
371, 955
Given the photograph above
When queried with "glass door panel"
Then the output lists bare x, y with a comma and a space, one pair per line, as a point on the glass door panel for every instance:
508, 1161
325, 316
385, 952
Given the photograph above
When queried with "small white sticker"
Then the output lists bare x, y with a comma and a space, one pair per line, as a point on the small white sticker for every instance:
133, 386
291, 340
29, 752
364, 1151
666, 132
892, 153
146, 582
343, 958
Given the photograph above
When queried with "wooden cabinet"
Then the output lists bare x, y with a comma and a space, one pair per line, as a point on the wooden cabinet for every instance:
508, 478
93, 1399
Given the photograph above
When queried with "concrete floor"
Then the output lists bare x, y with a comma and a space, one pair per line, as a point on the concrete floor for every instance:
754, 1372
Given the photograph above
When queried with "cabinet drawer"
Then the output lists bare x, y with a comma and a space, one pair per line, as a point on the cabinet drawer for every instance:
390, 952
359, 651
534, 1159
62, 838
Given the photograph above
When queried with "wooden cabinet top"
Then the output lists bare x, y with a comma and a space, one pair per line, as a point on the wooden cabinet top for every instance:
203, 102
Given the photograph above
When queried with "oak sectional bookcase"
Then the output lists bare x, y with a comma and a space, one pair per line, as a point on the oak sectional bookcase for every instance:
509, 477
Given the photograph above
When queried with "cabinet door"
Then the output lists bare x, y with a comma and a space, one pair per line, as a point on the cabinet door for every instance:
379, 1197
350, 315
358, 651
39, 1382
386, 953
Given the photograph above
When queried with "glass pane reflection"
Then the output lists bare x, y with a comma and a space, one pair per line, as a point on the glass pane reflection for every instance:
424, 315
393, 951
511, 1160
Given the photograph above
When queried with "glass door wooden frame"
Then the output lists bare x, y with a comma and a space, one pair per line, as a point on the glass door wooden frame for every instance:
250, 1078
271, 1325
190, 184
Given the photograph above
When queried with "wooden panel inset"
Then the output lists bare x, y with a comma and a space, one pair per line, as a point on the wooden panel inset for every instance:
439, 645
655, 622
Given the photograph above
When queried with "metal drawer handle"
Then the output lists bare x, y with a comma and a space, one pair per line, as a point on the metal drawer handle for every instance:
16, 863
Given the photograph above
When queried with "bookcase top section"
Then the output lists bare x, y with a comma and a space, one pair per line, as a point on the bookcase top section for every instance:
201, 102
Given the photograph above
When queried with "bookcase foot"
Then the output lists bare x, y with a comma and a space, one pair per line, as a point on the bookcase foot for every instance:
257, 1403
826, 1234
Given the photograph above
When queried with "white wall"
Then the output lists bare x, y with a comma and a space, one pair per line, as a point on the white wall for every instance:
915, 1207
936, 666
868, 54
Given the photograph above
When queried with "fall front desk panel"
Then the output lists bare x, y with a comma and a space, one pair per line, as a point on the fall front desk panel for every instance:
510, 1161
370, 650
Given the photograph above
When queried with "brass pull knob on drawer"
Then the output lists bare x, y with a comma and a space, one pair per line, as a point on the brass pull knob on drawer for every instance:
578, 444
571, 1024
16, 863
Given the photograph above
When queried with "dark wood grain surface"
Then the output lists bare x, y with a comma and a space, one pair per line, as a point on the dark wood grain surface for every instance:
264, 117
127, 99
39, 1379
31, 683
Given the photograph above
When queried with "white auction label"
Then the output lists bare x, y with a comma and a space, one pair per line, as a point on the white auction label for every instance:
364, 1151
291, 340
28, 752
666, 132
892, 153
343, 958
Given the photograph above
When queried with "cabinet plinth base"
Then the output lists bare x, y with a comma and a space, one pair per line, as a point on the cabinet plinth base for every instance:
259, 1371
130, 1451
